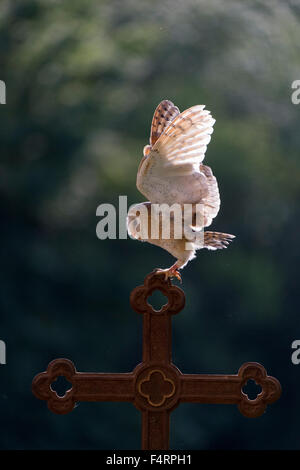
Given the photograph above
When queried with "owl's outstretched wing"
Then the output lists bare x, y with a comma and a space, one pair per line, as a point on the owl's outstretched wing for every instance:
172, 171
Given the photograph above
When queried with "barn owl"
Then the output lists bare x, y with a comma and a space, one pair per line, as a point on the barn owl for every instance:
171, 172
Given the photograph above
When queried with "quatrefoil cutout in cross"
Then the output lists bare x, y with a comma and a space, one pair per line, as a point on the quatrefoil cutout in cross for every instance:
156, 387
41, 386
152, 282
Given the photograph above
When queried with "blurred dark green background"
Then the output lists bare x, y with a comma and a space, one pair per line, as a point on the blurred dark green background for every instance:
83, 78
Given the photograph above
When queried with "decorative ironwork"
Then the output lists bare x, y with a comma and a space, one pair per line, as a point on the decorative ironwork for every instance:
156, 386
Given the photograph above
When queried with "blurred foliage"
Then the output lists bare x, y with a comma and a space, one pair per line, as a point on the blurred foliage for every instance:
83, 78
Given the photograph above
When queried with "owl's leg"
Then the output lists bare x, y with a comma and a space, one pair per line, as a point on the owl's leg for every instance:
173, 270
170, 272
184, 257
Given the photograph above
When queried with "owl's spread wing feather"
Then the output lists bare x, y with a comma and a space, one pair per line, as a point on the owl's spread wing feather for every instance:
172, 172
165, 113
185, 140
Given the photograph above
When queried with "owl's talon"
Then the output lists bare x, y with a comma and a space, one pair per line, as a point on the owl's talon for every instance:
169, 273
177, 275
162, 271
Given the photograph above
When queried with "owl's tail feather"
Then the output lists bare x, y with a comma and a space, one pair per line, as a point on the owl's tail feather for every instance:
217, 240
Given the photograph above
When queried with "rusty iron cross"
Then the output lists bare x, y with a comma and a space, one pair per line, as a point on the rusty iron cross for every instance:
156, 386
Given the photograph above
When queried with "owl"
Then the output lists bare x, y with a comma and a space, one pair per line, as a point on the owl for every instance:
182, 193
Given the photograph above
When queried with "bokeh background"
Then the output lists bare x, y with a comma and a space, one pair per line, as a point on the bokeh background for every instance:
83, 78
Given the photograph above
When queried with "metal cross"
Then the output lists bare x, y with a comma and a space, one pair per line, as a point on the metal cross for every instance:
156, 386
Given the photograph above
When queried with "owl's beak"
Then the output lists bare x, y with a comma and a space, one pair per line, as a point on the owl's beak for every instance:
147, 150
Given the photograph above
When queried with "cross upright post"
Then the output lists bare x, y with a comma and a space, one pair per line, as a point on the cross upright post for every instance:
156, 386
